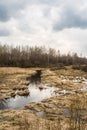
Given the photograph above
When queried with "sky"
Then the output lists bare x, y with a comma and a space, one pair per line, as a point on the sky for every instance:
60, 24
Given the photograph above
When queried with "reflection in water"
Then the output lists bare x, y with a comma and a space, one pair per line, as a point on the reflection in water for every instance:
36, 78
37, 91
36, 95
3, 104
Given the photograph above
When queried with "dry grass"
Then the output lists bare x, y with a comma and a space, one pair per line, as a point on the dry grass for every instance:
12, 79
55, 108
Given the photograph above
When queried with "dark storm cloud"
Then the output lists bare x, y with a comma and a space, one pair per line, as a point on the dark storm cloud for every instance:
71, 19
9, 8
70, 16
4, 16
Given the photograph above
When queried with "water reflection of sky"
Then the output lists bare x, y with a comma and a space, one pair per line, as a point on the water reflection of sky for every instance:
36, 95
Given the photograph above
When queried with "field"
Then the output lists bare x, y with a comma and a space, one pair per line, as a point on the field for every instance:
65, 108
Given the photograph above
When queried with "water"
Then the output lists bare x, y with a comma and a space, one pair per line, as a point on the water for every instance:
38, 92
36, 95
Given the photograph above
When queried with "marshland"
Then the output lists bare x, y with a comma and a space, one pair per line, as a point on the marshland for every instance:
42, 90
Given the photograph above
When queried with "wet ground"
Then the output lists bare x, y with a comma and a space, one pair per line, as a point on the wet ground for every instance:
59, 98
38, 92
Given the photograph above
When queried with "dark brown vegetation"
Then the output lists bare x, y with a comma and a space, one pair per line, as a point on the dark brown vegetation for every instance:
80, 67
37, 57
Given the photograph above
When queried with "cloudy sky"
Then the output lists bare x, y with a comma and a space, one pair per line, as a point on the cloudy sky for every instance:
61, 24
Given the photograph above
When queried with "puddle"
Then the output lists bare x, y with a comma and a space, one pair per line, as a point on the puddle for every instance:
37, 90
36, 95
66, 92
80, 80
41, 114
75, 114
84, 89
66, 112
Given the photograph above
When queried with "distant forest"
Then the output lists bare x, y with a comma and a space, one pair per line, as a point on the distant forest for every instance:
37, 57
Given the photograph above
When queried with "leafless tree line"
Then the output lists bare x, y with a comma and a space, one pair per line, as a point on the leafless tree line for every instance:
36, 57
